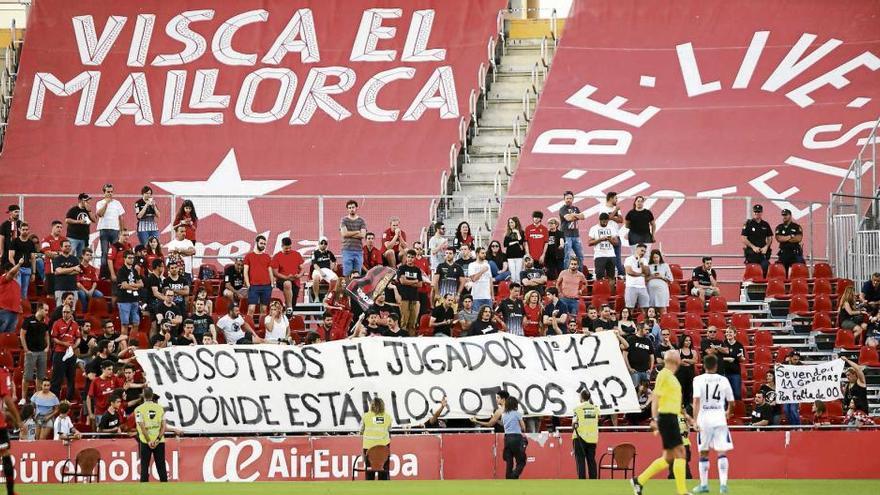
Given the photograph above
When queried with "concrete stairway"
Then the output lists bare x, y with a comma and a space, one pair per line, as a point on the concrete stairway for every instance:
490, 158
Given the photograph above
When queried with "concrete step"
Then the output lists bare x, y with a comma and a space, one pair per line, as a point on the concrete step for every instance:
521, 58
494, 116
509, 88
491, 148
494, 159
492, 139
484, 167
525, 42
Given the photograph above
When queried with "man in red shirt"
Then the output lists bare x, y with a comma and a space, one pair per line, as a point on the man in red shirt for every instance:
65, 339
258, 276
536, 238
12, 411
372, 254
394, 241
102, 387
10, 298
116, 253
87, 280
287, 267
51, 247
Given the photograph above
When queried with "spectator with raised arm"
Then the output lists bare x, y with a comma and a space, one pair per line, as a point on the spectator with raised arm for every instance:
148, 215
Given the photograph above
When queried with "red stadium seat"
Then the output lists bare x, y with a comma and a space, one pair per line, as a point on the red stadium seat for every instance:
763, 355
693, 321
753, 273
822, 271
799, 286
763, 338
822, 302
822, 323
869, 357
822, 286
694, 305
677, 273
834, 408
799, 305
10, 341
503, 290
776, 271
775, 289
743, 338
782, 353
6, 359
741, 321
842, 284
759, 374
845, 340
221, 305
717, 320
669, 321
425, 328
602, 288
798, 271
718, 304
98, 307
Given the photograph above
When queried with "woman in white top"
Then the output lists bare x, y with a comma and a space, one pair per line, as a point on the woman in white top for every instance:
658, 281
277, 325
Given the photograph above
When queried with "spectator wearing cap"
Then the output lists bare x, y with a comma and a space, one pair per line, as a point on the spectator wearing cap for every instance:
569, 216
323, 268
8, 232
110, 222
789, 236
78, 220
536, 238
603, 238
757, 237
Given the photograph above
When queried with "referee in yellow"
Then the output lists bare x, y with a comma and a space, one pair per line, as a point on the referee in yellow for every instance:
376, 430
151, 426
665, 407
585, 436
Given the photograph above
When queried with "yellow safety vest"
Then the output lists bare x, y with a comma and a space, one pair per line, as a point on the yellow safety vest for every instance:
377, 429
151, 415
586, 422
685, 430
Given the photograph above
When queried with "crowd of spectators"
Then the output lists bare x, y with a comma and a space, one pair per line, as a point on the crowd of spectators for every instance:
534, 281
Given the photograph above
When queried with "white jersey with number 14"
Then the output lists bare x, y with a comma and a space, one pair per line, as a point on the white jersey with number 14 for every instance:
714, 393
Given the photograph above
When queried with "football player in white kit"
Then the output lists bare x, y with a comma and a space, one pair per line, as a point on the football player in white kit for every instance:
713, 404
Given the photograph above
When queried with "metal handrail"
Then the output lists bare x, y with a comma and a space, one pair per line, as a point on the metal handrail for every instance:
481, 77
432, 209
491, 52
453, 163
516, 131
553, 27
472, 102
476, 124
444, 179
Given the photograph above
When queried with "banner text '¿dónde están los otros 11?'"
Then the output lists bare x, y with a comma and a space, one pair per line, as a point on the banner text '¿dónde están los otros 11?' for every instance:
327, 387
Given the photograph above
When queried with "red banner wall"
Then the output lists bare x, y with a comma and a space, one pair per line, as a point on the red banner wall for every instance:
252, 98
703, 98
758, 455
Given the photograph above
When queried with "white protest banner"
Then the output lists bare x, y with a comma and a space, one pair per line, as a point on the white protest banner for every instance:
327, 387
804, 383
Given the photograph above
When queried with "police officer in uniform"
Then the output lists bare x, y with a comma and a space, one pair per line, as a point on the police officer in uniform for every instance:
151, 428
789, 236
585, 436
375, 430
757, 236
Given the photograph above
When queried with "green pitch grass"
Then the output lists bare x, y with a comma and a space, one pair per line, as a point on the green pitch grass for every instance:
497, 487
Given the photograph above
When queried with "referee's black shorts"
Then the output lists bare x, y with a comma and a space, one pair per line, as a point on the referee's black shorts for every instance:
667, 424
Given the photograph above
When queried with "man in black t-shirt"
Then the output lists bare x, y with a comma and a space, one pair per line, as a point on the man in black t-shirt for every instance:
532, 278
757, 237
21, 248
465, 257
203, 323
113, 420
604, 322
178, 282
710, 346
640, 355
448, 277
169, 312
443, 316
8, 231
66, 267
588, 322
152, 293
78, 220
323, 269
128, 286
705, 280
568, 217
555, 315
233, 281
35, 336
409, 280
513, 311
789, 235
762, 414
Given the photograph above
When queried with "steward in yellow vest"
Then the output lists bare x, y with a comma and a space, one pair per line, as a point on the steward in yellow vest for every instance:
585, 435
375, 430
